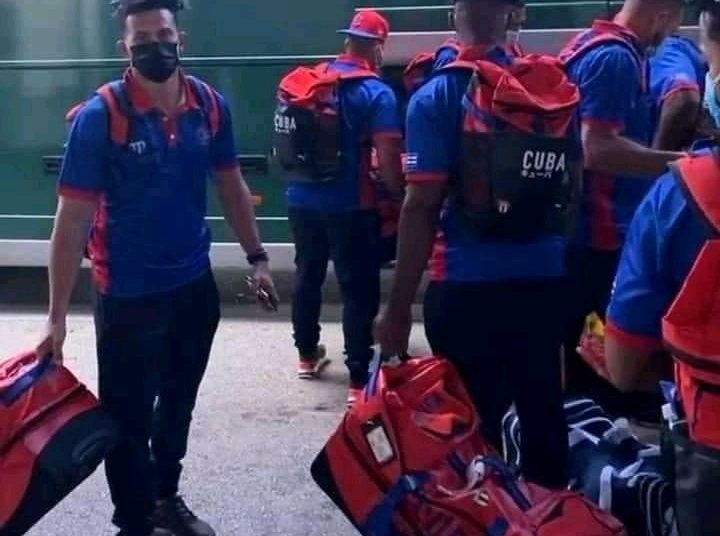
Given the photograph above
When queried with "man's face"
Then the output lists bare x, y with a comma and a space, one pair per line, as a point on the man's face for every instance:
666, 23
157, 25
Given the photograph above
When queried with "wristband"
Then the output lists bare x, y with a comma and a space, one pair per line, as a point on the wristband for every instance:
259, 256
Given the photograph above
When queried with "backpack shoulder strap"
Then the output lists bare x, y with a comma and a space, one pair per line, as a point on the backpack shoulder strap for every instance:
572, 52
699, 178
359, 74
461, 64
119, 109
208, 100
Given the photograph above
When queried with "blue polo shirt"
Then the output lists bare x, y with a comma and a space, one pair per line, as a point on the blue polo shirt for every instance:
664, 240
149, 233
369, 110
433, 143
678, 65
612, 78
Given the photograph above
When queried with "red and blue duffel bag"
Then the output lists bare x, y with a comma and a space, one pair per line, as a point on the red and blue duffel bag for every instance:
409, 460
53, 435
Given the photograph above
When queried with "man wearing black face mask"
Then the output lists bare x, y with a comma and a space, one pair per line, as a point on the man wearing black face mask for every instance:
137, 159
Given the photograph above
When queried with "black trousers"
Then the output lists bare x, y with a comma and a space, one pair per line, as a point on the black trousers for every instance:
350, 239
152, 355
591, 274
505, 338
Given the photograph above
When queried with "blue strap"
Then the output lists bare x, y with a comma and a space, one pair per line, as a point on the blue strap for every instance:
379, 522
26, 382
375, 366
499, 527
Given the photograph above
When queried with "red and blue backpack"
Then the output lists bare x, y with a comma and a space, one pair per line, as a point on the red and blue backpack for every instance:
120, 109
514, 179
420, 68
307, 121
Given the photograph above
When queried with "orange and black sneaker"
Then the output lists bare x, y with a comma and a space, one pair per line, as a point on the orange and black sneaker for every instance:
310, 367
354, 394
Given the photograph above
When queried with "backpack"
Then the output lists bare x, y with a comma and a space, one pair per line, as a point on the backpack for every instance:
421, 67
409, 459
120, 110
514, 181
611, 467
307, 122
691, 327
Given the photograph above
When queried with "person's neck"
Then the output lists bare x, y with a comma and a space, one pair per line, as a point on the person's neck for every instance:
168, 95
481, 39
634, 21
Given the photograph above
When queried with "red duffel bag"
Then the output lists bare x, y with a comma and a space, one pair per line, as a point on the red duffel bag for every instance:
409, 460
53, 435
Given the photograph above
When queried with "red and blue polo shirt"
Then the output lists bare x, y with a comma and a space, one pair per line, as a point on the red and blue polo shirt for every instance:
149, 233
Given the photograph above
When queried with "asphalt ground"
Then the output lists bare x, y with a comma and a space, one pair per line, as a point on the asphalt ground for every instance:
256, 428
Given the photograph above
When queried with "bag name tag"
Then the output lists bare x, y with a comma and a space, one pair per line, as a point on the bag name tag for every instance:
379, 442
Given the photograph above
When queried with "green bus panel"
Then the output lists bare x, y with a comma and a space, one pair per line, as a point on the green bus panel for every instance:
53, 53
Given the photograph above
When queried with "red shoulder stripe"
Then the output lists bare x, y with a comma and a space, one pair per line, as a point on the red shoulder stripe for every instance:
214, 107
119, 124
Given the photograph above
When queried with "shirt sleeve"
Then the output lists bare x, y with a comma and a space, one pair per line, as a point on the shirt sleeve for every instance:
428, 155
609, 82
642, 291
673, 72
223, 155
385, 115
84, 164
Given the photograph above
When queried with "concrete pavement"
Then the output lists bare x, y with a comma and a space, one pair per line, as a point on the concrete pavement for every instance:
256, 428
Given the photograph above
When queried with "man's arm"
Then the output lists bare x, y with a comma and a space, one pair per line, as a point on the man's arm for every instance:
428, 165
641, 295
80, 187
236, 202
416, 234
233, 192
67, 245
609, 83
678, 121
608, 152
389, 151
387, 139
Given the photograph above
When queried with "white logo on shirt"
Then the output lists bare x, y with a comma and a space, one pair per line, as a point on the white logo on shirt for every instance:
138, 147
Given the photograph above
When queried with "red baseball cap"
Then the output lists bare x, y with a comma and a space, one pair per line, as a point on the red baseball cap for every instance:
368, 24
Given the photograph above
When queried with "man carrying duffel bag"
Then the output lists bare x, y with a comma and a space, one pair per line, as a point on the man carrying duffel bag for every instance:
408, 459
53, 435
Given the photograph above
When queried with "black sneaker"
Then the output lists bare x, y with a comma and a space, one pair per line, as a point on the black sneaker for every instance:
174, 515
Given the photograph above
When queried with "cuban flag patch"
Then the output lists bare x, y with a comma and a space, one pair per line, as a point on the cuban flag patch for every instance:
409, 162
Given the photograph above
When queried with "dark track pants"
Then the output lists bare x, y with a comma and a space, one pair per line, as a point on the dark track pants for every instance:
505, 340
350, 239
591, 276
152, 355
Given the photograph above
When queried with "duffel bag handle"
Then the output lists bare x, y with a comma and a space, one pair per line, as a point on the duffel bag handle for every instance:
26, 381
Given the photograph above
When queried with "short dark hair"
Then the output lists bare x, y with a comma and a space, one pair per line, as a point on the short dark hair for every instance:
124, 8
711, 8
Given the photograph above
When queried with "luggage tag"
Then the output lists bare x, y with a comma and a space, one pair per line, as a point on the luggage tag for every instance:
378, 440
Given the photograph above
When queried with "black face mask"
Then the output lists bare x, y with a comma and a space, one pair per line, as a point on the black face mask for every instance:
155, 61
